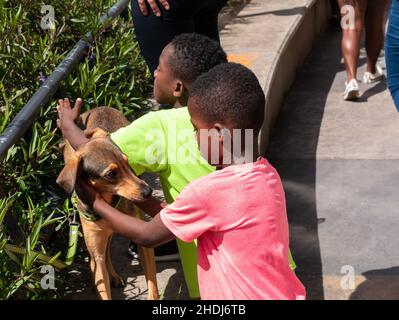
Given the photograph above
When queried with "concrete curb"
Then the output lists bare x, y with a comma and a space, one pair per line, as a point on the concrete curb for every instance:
229, 13
291, 55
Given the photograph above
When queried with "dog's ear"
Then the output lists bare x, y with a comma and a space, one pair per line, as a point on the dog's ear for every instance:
95, 133
67, 177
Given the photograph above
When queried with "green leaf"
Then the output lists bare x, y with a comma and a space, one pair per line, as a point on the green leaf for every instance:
5, 204
16, 285
77, 20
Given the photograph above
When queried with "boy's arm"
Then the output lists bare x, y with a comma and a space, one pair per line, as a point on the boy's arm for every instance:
66, 122
152, 206
148, 234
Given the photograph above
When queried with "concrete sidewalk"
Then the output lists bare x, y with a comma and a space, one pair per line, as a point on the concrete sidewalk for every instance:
340, 165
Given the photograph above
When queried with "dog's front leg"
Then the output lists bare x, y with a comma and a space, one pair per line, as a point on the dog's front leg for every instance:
115, 278
147, 259
97, 235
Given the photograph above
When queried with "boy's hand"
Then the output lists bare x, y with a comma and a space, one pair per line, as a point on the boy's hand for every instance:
66, 114
87, 194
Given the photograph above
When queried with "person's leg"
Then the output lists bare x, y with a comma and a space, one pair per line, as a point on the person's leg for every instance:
206, 18
375, 16
392, 52
351, 37
154, 33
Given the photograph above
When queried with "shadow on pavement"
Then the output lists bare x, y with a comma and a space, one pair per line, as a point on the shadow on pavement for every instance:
284, 12
380, 284
293, 150
376, 89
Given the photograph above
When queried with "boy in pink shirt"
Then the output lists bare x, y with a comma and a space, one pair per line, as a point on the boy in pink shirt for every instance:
238, 212
238, 216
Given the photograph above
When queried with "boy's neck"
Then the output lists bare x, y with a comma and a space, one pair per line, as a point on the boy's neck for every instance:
245, 159
182, 101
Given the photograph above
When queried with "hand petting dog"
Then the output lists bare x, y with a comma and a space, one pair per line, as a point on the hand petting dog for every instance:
87, 194
66, 122
66, 114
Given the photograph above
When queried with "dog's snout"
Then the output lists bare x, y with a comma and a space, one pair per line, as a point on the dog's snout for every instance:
146, 192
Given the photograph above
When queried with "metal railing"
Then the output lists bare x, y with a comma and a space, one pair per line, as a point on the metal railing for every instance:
23, 120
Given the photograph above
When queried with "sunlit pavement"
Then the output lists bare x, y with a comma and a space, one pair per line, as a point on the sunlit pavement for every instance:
340, 165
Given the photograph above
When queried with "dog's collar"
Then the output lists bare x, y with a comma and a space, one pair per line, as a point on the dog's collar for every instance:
89, 214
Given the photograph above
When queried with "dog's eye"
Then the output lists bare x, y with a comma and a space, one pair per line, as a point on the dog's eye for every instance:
111, 174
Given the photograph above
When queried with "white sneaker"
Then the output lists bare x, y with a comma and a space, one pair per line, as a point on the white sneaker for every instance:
352, 90
373, 77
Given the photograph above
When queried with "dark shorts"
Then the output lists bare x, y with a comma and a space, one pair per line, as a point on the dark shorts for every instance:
184, 16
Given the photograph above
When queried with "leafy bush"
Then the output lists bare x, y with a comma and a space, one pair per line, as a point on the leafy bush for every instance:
112, 74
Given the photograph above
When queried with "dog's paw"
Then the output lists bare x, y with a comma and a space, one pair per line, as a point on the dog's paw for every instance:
117, 282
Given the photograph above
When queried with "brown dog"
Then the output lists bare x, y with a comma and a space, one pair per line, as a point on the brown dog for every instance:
101, 164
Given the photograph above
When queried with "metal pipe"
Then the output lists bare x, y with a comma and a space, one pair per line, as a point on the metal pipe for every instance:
22, 121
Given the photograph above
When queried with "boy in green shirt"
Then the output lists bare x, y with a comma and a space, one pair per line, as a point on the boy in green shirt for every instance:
163, 141
170, 132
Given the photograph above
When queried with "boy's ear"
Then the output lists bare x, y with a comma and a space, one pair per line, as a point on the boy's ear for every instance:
67, 177
179, 89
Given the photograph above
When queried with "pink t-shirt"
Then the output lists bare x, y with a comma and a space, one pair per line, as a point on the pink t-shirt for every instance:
239, 217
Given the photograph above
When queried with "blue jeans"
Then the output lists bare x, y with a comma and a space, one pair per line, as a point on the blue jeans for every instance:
392, 52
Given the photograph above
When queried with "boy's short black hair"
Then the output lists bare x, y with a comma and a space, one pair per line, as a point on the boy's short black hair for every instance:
230, 93
194, 54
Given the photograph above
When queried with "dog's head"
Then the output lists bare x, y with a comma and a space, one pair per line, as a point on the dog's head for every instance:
101, 164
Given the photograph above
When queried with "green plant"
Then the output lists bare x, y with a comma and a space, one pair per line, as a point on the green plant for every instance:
113, 74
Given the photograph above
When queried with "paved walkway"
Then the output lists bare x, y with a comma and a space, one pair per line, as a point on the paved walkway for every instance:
255, 36
340, 165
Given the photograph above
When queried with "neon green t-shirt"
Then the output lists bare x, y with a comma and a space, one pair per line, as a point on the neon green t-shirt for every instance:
164, 142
